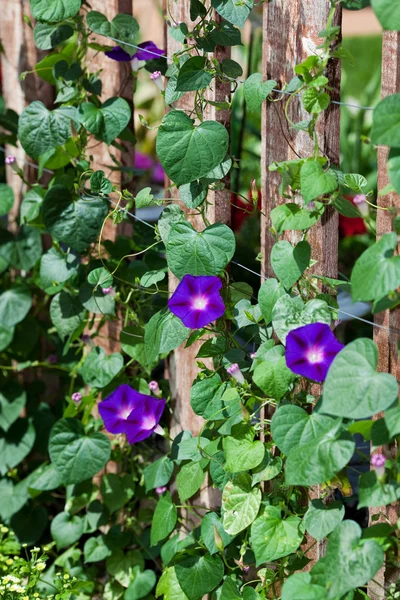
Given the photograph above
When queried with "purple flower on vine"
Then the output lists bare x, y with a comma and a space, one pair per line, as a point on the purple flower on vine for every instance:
149, 51
197, 301
118, 54
310, 350
127, 411
146, 51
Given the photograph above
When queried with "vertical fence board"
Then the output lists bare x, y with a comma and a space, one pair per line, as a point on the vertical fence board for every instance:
117, 81
20, 54
182, 368
290, 34
387, 342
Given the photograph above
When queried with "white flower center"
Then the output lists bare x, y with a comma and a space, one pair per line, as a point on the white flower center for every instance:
315, 355
199, 302
125, 412
148, 423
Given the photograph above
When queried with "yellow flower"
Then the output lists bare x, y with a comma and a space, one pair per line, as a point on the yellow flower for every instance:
66, 576
40, 566
36, 595
4, 529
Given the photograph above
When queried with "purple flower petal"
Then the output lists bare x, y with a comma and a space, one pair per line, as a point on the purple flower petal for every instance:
127, 411
197, 301
148, 51
118, 54
142, 161
310, 350
158, 174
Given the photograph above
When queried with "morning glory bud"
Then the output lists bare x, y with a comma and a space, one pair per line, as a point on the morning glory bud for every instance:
76, 397
155, 388
158, 79
236, 373
378, 461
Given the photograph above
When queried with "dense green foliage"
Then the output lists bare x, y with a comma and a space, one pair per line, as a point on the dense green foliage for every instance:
99, 506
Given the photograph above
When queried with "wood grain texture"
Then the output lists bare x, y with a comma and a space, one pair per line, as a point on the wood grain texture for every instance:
182, 368
20, 55
387, 342
117, 81
290, 34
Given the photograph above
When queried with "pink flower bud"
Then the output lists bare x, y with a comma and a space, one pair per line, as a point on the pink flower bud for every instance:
11, 161
155, 388
253, 355
360, 200
160, 490
76, 397
107, 290
158, 79
235, 372
378, 461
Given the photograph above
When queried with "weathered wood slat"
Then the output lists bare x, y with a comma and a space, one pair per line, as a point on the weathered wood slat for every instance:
387, 342
182, 364
20, 55
290, 34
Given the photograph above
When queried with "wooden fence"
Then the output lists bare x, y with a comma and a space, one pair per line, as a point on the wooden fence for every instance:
290, 29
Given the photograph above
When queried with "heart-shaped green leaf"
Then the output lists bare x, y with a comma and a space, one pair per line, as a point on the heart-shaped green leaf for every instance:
291, 427
164, 519
108, 121
122, 566
373, 493
269, 293
289, 262
240, 503
12, 401
353, 389
198, 575
349, 562
187, 152
204, 252
388, 14
273, 377
315, 182
15, 444
321, 519
241, 452
53, 11
124, 27
74, 221
256, 90
300, 586
40, 129
66, 529
163, 333
386, 123
320, 459
77, 456
99, 370
66, 313
273, 537
290, 216
290, 313
233, 11
377, 271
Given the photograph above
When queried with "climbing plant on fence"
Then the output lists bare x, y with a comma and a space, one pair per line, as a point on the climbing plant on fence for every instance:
89, 471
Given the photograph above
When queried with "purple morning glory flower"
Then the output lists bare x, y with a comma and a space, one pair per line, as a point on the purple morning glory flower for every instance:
142, 161
310, 350
127, 411
197, 301
118, 54
148, 51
